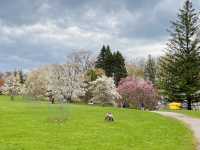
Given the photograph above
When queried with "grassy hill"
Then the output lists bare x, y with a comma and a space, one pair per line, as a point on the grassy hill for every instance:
27, 125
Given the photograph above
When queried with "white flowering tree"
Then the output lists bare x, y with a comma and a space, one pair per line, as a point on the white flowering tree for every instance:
104, 91
12, 85
36, 83
66, 82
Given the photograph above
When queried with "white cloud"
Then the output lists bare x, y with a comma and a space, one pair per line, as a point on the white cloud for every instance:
46, 32
51, 34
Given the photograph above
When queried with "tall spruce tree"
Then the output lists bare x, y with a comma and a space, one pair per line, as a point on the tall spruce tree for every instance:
108, 62
119, 68
100, 63
150, 70
180, 67
112, 64
104, 60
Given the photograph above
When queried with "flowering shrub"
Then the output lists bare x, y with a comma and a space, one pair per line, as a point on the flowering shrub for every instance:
12, 86
137, 92
103, 91
36, 83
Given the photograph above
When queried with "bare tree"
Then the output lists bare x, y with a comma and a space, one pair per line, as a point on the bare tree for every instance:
81, 58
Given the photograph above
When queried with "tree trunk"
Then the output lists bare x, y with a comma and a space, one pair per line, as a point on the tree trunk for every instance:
189, 101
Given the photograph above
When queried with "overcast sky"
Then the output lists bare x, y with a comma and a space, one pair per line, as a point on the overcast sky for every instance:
36, 32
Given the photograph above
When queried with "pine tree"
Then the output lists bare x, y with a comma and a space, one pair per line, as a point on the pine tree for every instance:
180, 67
104, 61
100, 63
167, 80
150, 70
112, 64
119, 68
108, 62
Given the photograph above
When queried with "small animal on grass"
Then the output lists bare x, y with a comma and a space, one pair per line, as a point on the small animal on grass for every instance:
109, 117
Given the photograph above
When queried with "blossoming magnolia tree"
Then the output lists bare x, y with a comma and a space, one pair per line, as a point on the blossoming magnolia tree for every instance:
103, 91
66, 82
137, 92
36, 83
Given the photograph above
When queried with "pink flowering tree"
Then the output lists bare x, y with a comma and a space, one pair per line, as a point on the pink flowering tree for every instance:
137, 92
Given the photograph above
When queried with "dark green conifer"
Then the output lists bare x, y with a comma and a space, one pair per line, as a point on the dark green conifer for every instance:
180, 67
150, 70
119, 68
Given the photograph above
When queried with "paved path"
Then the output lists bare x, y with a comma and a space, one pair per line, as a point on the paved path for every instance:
193, 123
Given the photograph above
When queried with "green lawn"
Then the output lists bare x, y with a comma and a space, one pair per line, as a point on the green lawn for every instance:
195, 114
26, 125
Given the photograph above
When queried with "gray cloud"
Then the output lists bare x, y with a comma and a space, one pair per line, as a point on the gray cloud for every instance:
36, 32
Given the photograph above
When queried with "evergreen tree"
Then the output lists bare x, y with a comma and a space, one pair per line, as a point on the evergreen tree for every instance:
119, 68
108, 62
100, 63
104, 61
112, 64
150, 70
167, 80
180, 67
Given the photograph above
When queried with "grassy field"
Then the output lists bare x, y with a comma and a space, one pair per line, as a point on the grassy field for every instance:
26, 125
195, 114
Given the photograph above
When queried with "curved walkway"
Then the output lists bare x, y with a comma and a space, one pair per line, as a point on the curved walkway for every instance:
193, 123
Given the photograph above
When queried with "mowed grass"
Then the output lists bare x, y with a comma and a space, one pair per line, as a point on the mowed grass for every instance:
26, 125
195, 114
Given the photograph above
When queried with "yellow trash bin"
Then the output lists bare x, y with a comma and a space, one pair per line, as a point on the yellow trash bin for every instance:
174, 106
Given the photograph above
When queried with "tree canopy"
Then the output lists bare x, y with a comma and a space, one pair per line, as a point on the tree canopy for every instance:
150, 69
180, 67
112, 63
